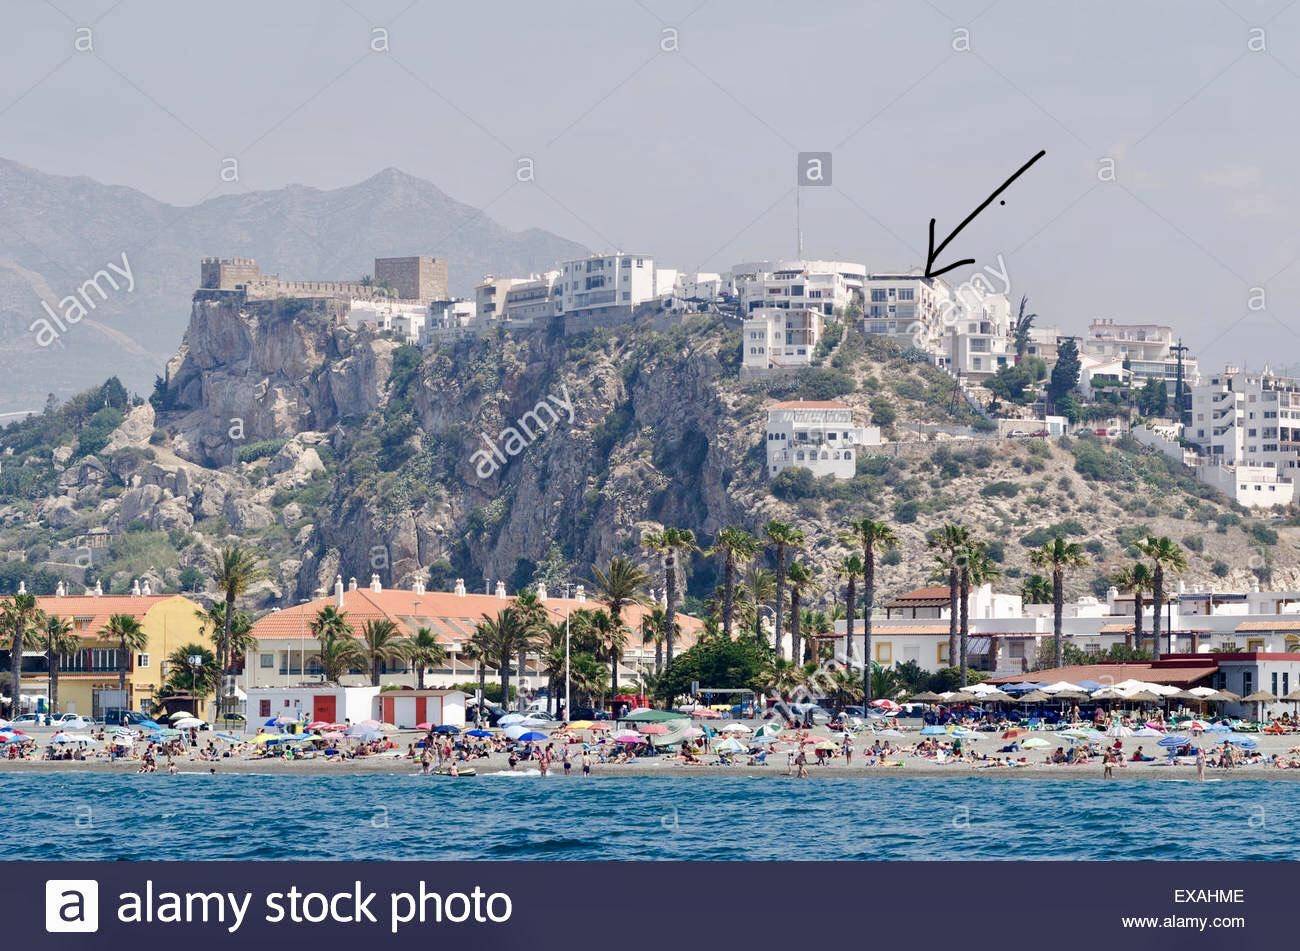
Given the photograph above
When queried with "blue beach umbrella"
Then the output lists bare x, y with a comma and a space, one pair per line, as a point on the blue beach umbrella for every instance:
532, 736
478, 733
1245, 742
446, 728
1174, 740
933, 731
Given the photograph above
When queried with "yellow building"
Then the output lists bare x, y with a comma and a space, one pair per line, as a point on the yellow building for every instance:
169, 620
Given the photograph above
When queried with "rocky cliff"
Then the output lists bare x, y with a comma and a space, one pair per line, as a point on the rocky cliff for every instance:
340, 451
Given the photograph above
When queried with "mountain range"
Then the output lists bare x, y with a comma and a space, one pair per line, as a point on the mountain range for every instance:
56, 232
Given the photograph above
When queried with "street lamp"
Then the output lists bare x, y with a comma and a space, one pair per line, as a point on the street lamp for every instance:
196, 663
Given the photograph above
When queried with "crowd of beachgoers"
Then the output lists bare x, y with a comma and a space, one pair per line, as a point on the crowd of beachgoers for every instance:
956, 739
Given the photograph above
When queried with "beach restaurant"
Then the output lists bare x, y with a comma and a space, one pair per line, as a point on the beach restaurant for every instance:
332, 703
1246, 673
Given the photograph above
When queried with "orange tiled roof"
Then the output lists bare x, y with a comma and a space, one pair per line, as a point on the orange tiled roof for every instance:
450, 616
91, 613
811, 404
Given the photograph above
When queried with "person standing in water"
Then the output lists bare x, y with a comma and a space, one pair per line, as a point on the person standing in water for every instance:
1200, 763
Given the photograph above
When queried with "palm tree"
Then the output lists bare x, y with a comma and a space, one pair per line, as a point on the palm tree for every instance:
885, 683
382, 643
20, 616
551, 655
424, 651
761, 583
673, 545
339, 654
873, 537
535, 618
234, 570
654, 630
1020, 329
1036, 590
479, 650
611, 635
1059, 556
618, 585
330, 622
504, 637
784, 538
800, 579
1166, 556
240, 640
60, 639
977, 568
1138, 579
736, 546
850, 568
198, 680
949, 542
130, 637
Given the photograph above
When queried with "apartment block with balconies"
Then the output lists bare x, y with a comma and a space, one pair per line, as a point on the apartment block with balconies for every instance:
818, 435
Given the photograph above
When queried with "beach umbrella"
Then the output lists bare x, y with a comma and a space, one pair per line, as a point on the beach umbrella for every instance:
729, 745
997, 696
188, 723
319, 725
531, 736
1035, 743
654, 729
1174, 740
262, 738
1259, 696
1147, 731
61, 737
1203, 693
704, 713
1022, 687
1119, 730
958, 696
1143, 696
179, 714
579, 725
1108, 693
1036, 696
274, 721
1218, 728
769, 729
1227, 696
1293, 696
510, 719
1196, 726
885, 704
736, 728
446, 729
1245, 742
480, 734
763, 739
933, 731
888, 732
926, 696
963, 733
1059, 686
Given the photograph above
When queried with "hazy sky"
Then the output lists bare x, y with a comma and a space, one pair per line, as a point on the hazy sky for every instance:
689, 153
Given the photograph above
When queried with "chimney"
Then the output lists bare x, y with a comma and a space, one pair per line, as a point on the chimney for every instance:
581, 594
22, 587
418, 587
135, 587
487, 586
352, 583
99, 589
60, 591
146, 589
501, 589
374, 583
338, 592
541, 591
460, 587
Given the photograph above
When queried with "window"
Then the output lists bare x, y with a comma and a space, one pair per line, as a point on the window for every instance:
141, 661
264, 708
884, 652
1247, 682
941, 653
266, 661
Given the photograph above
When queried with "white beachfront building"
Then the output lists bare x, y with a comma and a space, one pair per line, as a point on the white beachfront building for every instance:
829, 287
1246, 429
818, 435
1006, 634
532, 301
450, 319
908, 308
775, 338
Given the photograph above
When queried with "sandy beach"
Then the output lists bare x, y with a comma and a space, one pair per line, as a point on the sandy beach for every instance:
905, 763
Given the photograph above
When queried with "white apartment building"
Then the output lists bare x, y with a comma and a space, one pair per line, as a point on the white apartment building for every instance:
908, 308
978, 343
1246, 428
818, 435
490, 296
1145, 348
405, 318
775, 338
450, 319
701, 286
606, 284
827, 286
533, 301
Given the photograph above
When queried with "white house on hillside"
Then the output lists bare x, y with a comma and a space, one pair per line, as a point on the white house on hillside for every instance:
818, 435
775, 338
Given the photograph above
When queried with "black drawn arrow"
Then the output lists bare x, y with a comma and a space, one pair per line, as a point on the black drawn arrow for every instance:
930, 270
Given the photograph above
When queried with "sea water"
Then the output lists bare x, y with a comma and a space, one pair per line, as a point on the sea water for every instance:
98, 816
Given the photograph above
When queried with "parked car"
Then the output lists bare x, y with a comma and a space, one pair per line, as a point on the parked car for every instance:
588, 713
1017, 434
129, 718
